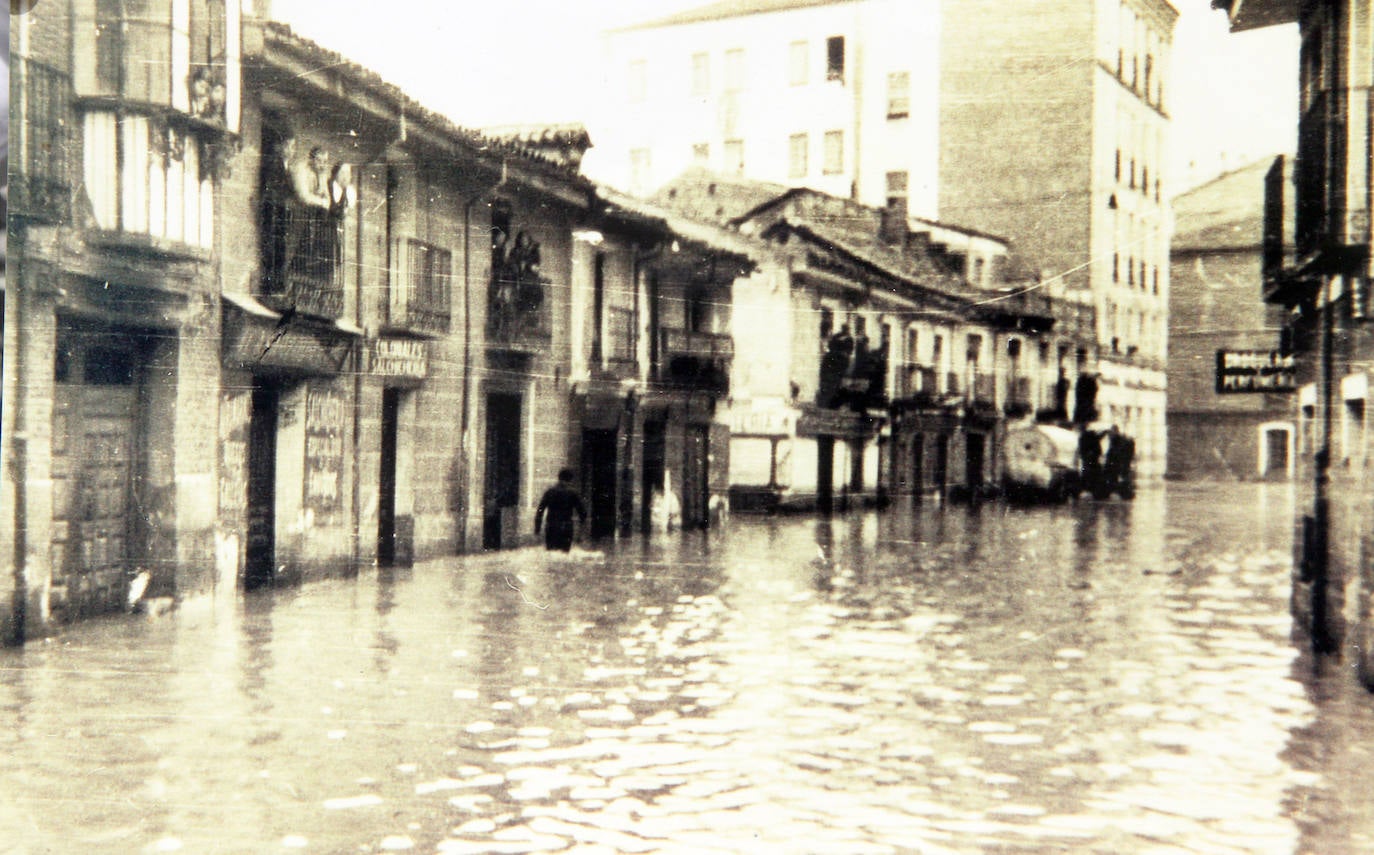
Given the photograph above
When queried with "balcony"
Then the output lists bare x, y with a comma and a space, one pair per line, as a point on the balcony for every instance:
983, 389
695, 360
1018, 402
1320, 177
301, 259
918, 381
852, 375
419, 288
42, 188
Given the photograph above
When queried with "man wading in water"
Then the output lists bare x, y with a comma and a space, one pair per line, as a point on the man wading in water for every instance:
561, 501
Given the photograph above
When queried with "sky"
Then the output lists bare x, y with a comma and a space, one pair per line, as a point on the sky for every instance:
1233, 101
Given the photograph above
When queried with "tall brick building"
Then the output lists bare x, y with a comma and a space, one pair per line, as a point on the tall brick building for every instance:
1217, 257
1043, 122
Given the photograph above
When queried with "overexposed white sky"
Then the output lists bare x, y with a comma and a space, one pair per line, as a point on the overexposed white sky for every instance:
1233, 99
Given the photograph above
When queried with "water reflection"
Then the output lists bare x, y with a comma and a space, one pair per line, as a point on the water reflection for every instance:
1099, 676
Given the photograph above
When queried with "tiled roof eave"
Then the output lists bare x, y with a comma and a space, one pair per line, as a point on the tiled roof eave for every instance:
281, 37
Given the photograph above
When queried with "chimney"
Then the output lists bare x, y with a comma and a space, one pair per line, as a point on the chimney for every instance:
892, 224
918, 243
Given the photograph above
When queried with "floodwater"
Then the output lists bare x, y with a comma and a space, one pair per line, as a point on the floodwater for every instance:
1112, 678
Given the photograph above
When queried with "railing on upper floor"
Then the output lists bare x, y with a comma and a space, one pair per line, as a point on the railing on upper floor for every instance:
419, 291
302, 259
695, 360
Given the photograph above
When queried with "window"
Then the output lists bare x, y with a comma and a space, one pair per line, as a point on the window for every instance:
734, 69
798, 58
639, 168
827, 324
144, 176
154, 51
796, 156
834, 152
701, 153
419, 288
734, 157
912, 340
701, 75
834, 58
638, 81
898, 95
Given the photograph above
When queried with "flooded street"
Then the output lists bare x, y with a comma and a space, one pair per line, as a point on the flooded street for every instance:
1095, 678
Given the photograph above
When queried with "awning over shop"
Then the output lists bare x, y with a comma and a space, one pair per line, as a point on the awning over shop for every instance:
264, 341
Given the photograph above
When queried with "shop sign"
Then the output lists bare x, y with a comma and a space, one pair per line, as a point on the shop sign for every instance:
1250, 371
772, 422
399, 357
841, 424
324, 418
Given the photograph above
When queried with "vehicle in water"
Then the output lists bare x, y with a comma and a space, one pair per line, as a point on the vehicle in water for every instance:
1047, 462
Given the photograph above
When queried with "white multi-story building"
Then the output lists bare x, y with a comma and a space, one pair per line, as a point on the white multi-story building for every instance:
838, 95
1042, 121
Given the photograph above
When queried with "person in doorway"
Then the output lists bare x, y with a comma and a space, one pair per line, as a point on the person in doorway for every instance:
561, 502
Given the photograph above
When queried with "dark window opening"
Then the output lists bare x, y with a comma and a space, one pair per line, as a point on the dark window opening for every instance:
834, 58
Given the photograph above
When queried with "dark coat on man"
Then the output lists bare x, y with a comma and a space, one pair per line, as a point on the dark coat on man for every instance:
560, 502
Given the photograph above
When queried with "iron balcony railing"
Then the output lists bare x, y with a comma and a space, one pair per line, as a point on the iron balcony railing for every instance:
918, 380
695, 360
420, 288
984, 388
302, 270
697, 344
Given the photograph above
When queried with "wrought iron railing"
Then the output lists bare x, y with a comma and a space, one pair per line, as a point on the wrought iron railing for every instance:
419, 290
303, 270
